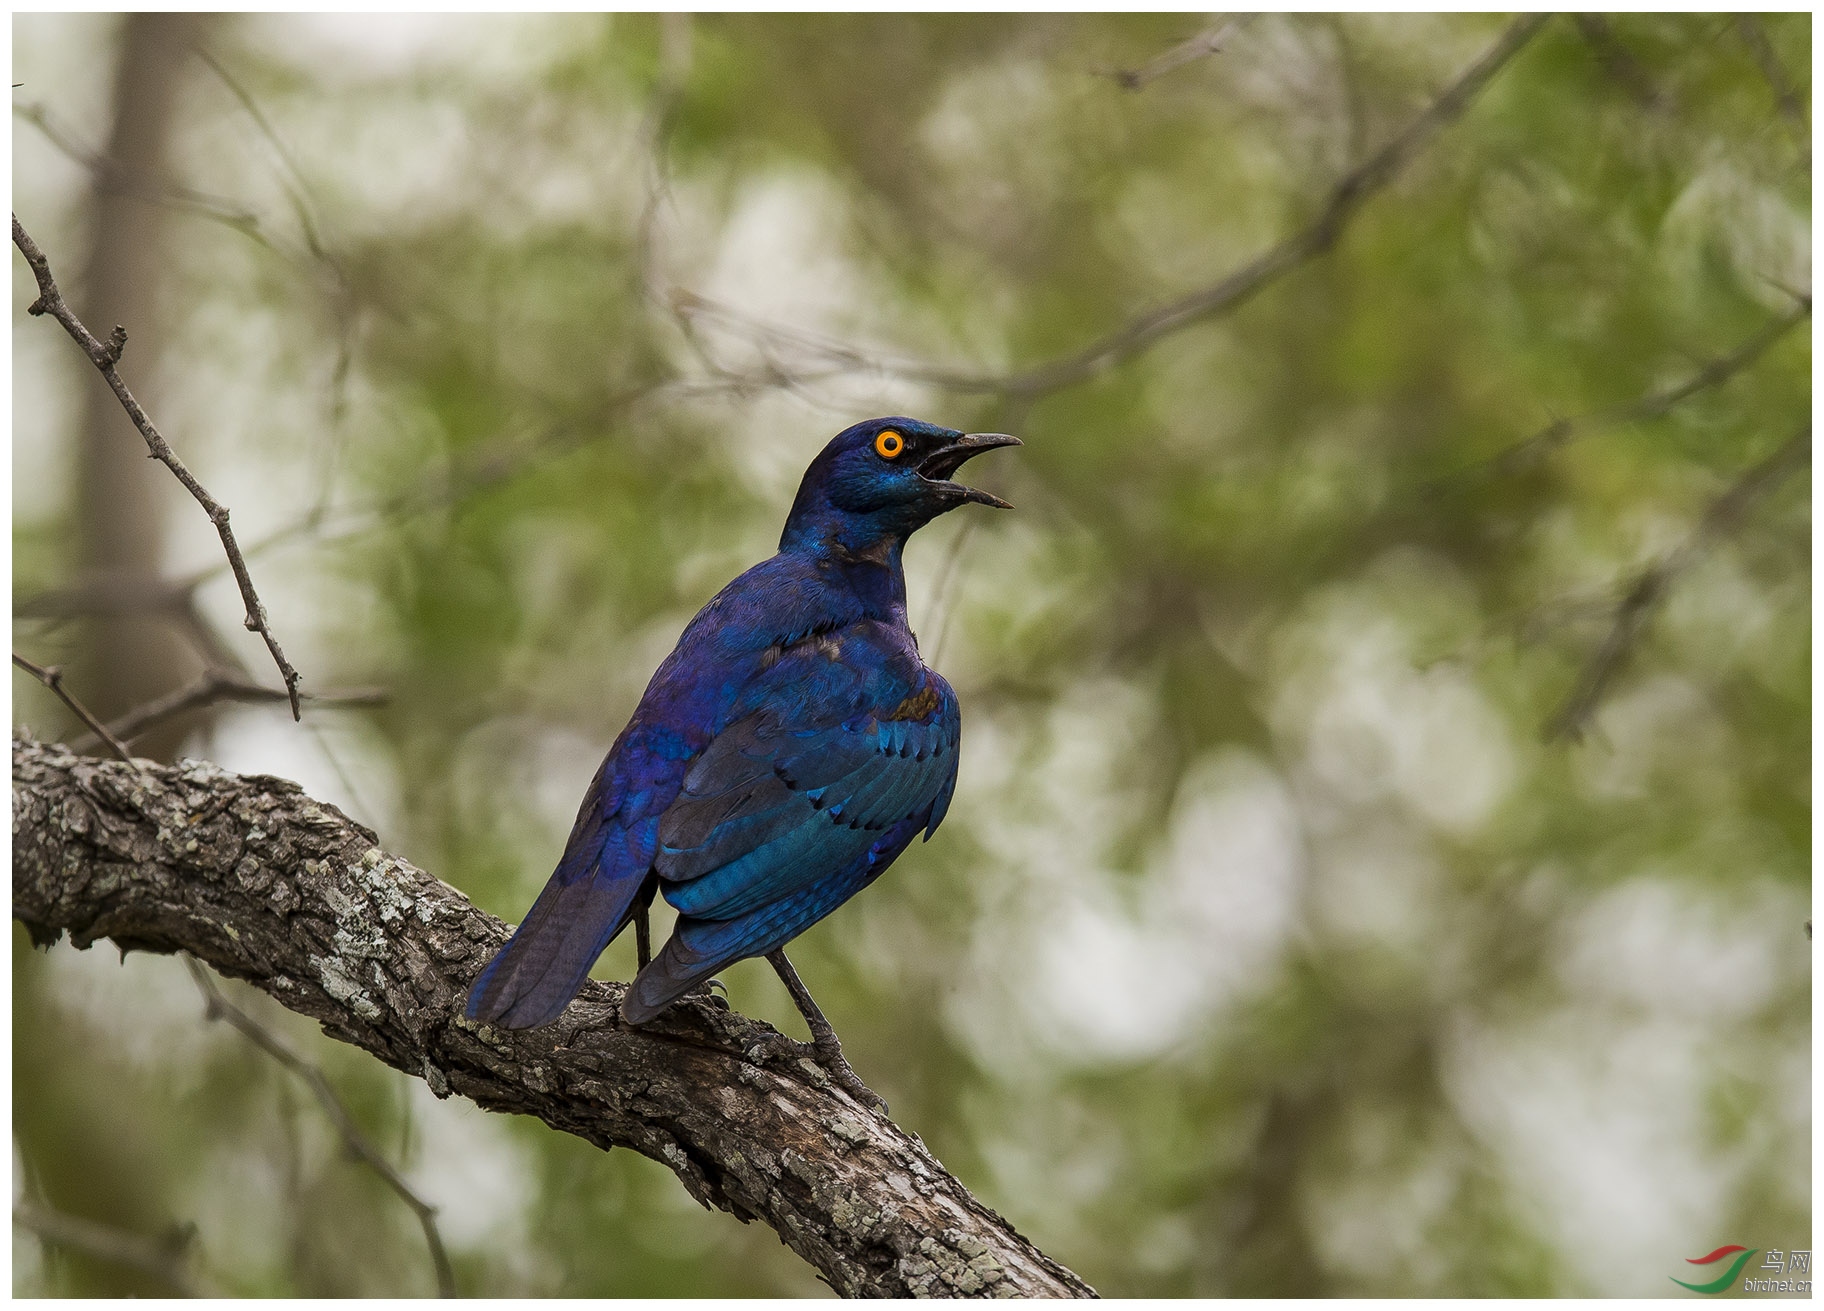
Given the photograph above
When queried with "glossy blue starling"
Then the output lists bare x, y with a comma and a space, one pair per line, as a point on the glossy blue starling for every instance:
784, 754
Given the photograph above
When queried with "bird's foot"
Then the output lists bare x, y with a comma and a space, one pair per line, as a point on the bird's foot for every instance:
826, 1052
714, 991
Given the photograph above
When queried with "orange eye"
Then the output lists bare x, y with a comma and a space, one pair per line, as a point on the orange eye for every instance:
889, 444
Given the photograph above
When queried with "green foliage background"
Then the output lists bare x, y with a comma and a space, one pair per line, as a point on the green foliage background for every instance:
1271, 947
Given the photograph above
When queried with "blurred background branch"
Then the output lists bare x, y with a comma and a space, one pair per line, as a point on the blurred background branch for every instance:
1207, 42
1268, 950
166, 1259
116, 176
1224, 296
217, 685
1725, 515
360, 1147
1714, 373
1786, 95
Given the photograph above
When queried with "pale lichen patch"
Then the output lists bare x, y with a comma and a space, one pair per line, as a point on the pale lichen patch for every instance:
337, 983
847, 1128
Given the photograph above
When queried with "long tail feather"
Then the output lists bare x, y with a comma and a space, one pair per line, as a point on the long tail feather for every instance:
537, 973
672, 973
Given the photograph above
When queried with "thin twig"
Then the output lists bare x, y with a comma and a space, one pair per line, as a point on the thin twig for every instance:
1207, 42
675, 51
165, 1259
1224, 296
296, 188
1785, 95
52, 677
116, 175
947, 574
104, 356
1618, 61
218, 1007
1714, 373
118, 592
216, 684
1725, 515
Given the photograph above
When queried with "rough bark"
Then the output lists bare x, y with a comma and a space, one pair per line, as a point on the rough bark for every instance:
256, 879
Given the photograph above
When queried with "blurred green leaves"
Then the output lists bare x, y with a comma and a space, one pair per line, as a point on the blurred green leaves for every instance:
1269, 948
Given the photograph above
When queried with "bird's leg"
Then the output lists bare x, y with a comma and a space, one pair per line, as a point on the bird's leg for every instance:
642, 935
825, 1048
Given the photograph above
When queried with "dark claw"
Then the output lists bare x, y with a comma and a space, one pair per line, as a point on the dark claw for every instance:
708, 990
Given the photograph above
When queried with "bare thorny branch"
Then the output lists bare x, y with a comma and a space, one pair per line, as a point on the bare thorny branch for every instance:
218, 1007
104, 356
1725, 516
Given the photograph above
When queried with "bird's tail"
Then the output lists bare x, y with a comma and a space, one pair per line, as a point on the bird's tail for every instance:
537, 973
677, 969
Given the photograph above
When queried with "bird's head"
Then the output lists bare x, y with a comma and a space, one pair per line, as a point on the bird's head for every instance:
879, 481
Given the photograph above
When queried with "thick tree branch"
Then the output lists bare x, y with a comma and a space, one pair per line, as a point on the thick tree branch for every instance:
253, 877
104, 356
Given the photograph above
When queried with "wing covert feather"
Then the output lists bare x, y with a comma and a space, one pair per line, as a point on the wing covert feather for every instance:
772, 806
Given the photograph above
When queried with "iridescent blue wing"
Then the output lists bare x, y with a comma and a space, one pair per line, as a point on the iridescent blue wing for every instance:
784, 816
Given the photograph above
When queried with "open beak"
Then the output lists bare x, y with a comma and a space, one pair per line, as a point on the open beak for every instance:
940, 464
